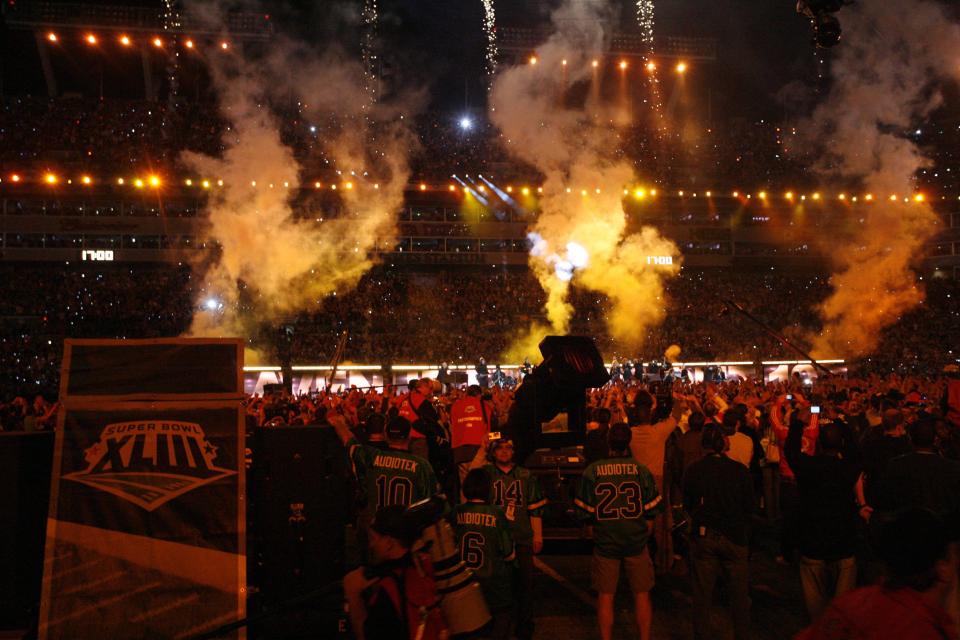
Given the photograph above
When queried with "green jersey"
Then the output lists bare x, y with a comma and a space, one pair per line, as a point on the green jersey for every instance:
518, 492
487, 548
619, 495
390, 476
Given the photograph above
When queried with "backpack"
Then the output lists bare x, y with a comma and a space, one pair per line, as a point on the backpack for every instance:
405, 597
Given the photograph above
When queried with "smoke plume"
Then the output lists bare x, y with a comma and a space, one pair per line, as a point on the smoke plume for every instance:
271, 261
580, 236
884, 84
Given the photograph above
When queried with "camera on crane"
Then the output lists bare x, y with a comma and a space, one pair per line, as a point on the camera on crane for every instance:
826, 27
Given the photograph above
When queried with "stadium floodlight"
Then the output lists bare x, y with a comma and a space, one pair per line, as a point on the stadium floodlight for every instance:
466, 123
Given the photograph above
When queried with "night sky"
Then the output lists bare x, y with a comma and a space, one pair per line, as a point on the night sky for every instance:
762, 45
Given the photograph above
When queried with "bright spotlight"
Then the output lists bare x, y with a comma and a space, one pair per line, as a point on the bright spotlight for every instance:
681, 67
212, 304
188, 44
595, 64
423, 187
651, 66
525, 191
91, 39
224, 45
50, 178
154, 181
466, 123
157, 42
623, 65
918, 197
125, 41
564, 62
52, 37
533, 60
15, 178
86, 180
138, 183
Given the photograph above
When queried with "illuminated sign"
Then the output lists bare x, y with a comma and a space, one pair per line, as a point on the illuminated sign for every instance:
660, 260
99, 254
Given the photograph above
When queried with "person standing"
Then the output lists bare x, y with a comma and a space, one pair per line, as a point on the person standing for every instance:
486, 547
827, 535
619, 495
483, 374
469, 426
718, 495
518, 493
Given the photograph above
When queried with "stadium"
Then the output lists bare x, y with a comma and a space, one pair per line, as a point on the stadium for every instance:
375, 198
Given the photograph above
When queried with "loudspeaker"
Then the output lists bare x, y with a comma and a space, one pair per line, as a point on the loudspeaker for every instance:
300, 503
25, 463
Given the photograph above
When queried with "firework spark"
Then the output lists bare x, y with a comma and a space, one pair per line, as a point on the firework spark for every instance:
490, 29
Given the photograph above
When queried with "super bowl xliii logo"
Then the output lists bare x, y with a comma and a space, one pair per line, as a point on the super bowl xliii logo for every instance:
150, 462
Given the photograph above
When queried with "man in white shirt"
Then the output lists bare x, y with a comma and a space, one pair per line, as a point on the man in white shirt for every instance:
741, 446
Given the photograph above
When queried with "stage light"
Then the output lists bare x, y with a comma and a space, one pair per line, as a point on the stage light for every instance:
651, 66
539, 189
681, 67
893, 198
533, 59
224, 45
219, 183
595, 64
466, 123
188, 44
316, 185
736, 194
583, 192
157, 42
50, 178
803, 198
253, 183
482, 189
564, 62
376, 185
205, 184
138, 183
15, 178
709, 194
120, 181
816, 196
451, 188
788, 195
125, 41
623, 65
509, 189
91, 39
423, 187
52, 37
188, 182
212, 304
639, 194
842, 196
86, 180
868, 197
525, 191
597, 190
762, 195
653, 192
918, 197
680, 193
154, 181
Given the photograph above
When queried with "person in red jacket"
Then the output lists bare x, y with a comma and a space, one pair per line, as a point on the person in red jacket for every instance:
470, 421
911, 602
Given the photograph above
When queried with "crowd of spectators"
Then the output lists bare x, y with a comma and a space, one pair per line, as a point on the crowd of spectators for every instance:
115, 136
436, 315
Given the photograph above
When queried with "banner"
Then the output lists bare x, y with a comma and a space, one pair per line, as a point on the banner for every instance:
146, 530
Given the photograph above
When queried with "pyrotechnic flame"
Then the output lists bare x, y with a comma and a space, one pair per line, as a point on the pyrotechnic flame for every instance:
571, 146
892, 54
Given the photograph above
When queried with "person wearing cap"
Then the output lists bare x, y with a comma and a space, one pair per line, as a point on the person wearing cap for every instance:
718, 495
518, 492
618, 495
387, 477
911, 601
380, 595
486, 547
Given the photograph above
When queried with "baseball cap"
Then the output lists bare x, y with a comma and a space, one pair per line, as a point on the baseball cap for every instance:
398, 428
392, 521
